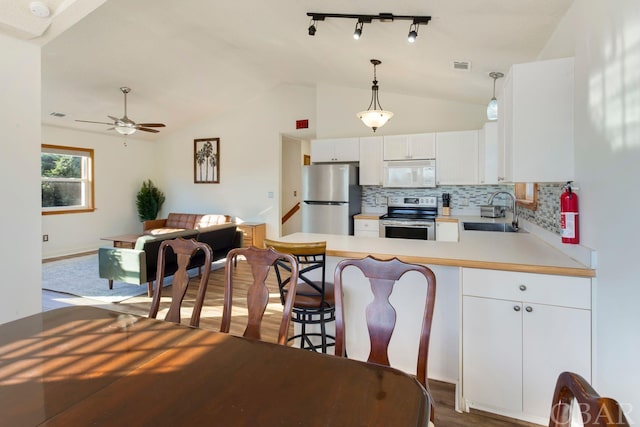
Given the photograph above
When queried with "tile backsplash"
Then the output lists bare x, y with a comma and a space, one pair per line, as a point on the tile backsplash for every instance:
547, 215
469, 198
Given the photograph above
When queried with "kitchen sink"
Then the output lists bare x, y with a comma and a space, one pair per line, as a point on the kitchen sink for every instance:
490, 226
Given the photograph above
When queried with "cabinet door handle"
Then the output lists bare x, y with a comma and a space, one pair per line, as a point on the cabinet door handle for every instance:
523, 288
516, 308
529, 309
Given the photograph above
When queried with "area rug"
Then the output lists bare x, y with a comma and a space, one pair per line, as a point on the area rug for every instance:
79, 276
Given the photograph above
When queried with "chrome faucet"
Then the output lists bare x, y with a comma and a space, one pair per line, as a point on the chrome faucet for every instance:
514, 222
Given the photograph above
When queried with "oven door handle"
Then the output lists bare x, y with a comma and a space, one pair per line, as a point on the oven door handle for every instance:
406, 225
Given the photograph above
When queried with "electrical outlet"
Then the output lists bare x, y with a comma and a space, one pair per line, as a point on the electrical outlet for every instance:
45, 237
464, 201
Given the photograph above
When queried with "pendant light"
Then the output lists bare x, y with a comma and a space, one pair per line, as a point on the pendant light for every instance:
492, 108
374, 116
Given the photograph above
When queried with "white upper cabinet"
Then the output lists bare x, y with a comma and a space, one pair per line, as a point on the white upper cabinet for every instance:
536, 122
371, 166
488, 154
410, 147
457, 157
335, 150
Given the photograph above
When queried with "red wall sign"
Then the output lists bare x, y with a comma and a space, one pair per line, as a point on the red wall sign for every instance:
302, 124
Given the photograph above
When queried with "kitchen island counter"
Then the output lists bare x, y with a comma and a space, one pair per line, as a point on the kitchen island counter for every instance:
522, 251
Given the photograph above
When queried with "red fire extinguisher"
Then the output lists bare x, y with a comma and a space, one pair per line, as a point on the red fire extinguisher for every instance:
569, 229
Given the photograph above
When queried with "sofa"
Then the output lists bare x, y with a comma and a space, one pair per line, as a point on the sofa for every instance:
183, 221
138, 265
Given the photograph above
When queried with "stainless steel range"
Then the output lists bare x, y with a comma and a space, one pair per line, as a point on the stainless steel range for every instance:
410, 218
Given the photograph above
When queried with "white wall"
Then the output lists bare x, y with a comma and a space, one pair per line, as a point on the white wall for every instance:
20, 266
605, 38
291, 183
119, 171
338, 106
250, 159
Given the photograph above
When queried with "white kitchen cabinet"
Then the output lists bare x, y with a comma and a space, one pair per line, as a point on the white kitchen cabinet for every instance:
457, 157
446, 229
536, 122
488, 154
410, 147
335, 150
366, 228
519, 332
371, 166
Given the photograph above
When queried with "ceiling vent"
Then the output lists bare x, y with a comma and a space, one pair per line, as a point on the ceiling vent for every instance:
56, 114
462, 65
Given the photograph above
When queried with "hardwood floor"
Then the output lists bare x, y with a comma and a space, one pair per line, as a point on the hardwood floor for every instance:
443, 393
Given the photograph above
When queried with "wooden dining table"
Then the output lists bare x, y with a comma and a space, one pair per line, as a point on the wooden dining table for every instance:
86, 366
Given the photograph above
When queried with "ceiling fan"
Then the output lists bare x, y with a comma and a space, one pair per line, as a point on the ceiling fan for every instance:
124, 125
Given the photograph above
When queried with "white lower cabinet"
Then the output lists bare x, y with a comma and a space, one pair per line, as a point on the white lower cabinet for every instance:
446, 230
366, 228
519, 332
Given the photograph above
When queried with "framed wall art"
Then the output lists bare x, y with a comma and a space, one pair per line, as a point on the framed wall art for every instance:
206, 161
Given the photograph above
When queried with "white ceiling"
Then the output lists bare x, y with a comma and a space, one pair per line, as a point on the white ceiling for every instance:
186, 60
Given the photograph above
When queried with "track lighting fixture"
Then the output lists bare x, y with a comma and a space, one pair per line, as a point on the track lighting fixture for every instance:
358, 31
374, 116
492, 108
362, 19
413, 33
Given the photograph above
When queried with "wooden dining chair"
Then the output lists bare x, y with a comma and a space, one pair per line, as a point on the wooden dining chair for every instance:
596, 411
314, 302
184, 250
380, 313
260, 262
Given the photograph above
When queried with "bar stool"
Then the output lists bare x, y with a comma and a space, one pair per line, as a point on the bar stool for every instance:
314, 302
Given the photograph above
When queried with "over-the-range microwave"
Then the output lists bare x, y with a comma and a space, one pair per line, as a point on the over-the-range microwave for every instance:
410, 173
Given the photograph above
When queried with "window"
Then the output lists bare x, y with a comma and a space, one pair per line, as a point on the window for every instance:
527, 195
67, 179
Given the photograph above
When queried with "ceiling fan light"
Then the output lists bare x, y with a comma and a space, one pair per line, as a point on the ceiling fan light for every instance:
125, 130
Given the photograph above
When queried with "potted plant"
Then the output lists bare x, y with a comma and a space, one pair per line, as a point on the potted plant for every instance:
149, 201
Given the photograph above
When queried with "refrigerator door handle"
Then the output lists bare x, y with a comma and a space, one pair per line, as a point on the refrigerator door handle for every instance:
313, 202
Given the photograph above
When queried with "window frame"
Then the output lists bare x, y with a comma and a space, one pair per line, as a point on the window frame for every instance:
527, 195
88, 180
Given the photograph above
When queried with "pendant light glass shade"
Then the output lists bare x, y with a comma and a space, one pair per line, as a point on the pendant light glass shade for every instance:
374, 116
492, 107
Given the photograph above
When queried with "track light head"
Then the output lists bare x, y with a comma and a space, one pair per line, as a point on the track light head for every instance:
358, 31
413, 33
312, 27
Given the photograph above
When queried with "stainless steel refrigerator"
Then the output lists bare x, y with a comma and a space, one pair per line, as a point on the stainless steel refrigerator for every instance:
330, 198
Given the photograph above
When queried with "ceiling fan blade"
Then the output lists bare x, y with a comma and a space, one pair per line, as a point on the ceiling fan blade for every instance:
147, 130
151, 125
89, 121
115, 119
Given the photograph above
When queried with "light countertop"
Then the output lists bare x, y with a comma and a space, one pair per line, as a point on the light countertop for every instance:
522, 251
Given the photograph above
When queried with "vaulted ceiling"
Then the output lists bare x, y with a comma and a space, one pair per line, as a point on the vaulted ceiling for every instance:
186, 60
